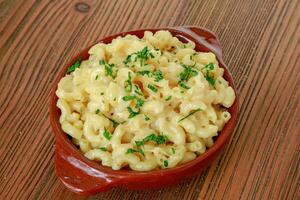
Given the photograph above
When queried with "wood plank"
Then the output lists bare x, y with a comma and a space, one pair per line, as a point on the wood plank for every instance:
261, 47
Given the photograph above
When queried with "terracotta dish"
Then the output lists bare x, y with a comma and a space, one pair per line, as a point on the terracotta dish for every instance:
89, 177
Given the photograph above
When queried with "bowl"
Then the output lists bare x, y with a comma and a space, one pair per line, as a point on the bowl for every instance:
88, 177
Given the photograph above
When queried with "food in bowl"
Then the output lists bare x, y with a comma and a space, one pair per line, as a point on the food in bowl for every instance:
146, 104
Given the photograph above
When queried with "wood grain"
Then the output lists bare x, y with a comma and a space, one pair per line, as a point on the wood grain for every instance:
261, 47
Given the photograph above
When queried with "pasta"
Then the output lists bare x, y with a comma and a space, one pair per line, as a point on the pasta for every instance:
146, 104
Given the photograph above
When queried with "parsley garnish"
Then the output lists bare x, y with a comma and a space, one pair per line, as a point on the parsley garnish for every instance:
102, 93
97, 111
143, 55
138, 90
209, 66
75, 65
210, 79
139, 101
191, 113
157, 75
158, 139
128, 98
187, 73
128, 87
103, 149
181, 84
130, 150
106, 134
139, 143
97, 77
173, 150
144, 72
108, 68
115, 123
132, 113
168, 98
152, 87
147, 118
166, 163
127, 60
101, 62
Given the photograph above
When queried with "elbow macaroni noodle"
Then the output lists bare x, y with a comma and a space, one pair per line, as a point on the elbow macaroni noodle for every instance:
145, 103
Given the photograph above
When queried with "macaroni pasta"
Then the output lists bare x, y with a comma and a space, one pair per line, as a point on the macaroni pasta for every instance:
145, 103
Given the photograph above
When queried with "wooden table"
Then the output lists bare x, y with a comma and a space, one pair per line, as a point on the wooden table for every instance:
262, 50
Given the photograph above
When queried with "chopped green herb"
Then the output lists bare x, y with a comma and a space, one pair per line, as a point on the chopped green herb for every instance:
139, 101
210, 79
97, 77
191, 113
209, 66
152, 87
184, 46
106, 134
108, 68
139, 143
127, 60
128, 98
181, 84
166, 163
132, 113
115, 123
151, 55
168, 98
173, 150
138, 90
158, 139
101, 62
128, 87
130, 150
115, 99
143, 55
102, 93
75, 65
187, 73
144, 72
141, 151
103, 149
97, 111
158, 75
147, 118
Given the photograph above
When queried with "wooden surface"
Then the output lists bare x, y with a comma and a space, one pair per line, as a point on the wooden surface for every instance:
262, 50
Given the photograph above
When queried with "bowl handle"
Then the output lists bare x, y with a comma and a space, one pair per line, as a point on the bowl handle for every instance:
204, 37
78, 176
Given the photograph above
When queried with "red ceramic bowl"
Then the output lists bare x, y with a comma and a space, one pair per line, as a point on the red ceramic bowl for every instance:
89, 177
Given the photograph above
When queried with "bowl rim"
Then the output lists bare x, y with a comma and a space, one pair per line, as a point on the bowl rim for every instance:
224, 134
